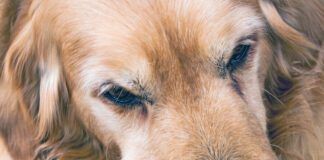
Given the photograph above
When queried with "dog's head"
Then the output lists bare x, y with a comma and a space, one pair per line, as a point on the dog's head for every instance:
157, 79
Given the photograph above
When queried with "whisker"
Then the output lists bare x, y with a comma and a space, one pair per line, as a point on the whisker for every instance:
273, 96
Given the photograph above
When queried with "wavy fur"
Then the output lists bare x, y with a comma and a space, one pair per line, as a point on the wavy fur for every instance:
36, 108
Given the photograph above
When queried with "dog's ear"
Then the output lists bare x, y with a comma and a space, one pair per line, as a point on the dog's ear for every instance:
296, 33
34, 70
32, 66
298, 22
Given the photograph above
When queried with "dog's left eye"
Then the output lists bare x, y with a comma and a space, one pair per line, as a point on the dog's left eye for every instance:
121, 97
239, 56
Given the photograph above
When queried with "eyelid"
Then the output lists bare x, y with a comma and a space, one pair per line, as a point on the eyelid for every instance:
234, 62
104, 87
109, 85
250, 39
247, 42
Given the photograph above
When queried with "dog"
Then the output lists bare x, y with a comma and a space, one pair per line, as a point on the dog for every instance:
162, 79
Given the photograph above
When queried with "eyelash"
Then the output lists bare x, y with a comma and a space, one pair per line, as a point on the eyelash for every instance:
121, 97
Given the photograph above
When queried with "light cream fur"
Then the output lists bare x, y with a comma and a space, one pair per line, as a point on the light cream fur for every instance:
57, 56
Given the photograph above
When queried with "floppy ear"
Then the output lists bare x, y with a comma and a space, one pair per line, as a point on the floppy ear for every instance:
296, 33
33, 68
32, 65
294, 80
297, 22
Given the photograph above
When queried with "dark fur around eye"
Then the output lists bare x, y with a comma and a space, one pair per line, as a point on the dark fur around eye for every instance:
239, 57
121, 97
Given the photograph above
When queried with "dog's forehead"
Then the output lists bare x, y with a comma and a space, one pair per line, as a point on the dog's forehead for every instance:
137, 38
210, 21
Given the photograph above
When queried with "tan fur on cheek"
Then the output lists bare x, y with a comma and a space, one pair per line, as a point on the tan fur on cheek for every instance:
112, 127
54, 55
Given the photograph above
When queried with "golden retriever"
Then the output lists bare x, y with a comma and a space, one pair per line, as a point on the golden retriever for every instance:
162, 79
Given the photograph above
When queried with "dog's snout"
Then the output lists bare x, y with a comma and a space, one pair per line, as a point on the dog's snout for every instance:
219, 133
215, 156
227, 150
234, 152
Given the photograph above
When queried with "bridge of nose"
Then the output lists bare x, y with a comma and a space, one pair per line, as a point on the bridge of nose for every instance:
221, 129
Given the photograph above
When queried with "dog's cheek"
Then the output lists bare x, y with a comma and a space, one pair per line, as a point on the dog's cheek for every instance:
124, 130
96, 118
252, 88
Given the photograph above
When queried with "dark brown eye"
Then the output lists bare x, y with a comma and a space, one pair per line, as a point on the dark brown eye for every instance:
239, 56
120, 96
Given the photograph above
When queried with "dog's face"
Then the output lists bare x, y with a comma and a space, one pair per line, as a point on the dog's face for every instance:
162, 79
174, 79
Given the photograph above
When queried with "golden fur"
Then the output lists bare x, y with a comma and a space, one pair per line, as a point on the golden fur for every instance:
56, 54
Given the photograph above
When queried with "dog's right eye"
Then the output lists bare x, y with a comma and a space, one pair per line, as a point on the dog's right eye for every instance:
240, 54
121, 97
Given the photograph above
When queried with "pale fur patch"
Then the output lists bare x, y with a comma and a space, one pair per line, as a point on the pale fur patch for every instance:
197, 115
4, 154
